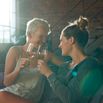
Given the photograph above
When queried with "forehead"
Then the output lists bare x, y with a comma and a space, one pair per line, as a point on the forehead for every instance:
62, 35
41, 30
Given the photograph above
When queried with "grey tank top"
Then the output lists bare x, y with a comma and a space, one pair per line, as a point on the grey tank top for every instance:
29, 84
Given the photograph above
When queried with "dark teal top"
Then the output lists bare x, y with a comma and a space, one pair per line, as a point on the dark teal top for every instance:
79, 85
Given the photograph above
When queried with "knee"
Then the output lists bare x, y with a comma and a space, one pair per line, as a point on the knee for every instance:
3, 95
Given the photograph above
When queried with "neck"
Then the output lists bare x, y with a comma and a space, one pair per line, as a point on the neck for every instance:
25, 46
77, 56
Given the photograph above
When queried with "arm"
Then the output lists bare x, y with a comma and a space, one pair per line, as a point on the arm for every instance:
12, 68
54, 59
83, 86
63, 92
91, 82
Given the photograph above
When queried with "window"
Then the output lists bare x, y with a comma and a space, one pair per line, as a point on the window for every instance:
7, 20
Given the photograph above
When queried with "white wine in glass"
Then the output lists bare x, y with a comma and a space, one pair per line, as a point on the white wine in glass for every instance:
42, 52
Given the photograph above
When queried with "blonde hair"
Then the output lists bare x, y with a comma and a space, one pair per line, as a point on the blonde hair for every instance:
33, 24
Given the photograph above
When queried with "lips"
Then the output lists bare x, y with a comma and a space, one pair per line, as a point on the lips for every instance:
37, 44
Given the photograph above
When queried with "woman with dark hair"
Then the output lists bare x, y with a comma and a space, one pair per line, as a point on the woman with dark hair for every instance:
83, 77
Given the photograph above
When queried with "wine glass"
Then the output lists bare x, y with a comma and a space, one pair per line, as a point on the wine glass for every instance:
42, 53
33, 54
31, 50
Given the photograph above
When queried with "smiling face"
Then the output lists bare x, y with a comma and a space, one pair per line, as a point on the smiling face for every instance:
66, 44
38, 37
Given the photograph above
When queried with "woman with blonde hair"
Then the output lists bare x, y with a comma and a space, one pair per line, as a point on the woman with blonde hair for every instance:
24, 83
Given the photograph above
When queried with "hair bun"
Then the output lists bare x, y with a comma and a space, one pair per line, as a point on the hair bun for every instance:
82, 22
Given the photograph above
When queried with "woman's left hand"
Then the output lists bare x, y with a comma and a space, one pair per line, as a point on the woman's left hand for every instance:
43, 68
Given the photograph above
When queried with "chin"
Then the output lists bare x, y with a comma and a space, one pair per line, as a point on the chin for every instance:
38, 44
64, 54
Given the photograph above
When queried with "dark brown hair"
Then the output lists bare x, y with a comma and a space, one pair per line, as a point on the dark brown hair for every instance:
78, 30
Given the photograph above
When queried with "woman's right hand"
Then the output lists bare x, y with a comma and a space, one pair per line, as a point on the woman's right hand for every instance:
22, 62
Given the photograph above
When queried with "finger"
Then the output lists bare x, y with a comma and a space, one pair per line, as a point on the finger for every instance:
22, 66
39, 64
38, 68
23, 62
32, 56
40, 61
24, 59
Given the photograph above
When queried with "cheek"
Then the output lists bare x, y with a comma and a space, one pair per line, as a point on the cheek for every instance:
65, 51
64, 48
34, 39
38, 39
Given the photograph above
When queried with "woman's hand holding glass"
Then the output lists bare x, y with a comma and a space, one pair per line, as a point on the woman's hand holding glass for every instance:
43, 68
32, 56
27, 60
21, 63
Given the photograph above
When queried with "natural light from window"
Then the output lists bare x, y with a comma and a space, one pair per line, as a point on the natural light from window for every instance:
7, 20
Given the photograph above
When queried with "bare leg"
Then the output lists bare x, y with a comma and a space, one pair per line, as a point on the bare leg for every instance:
6, 97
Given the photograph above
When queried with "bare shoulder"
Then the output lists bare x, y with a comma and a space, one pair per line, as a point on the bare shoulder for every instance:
14, 51
14, 48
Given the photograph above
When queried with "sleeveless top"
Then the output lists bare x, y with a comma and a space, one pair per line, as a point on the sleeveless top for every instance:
29, 84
